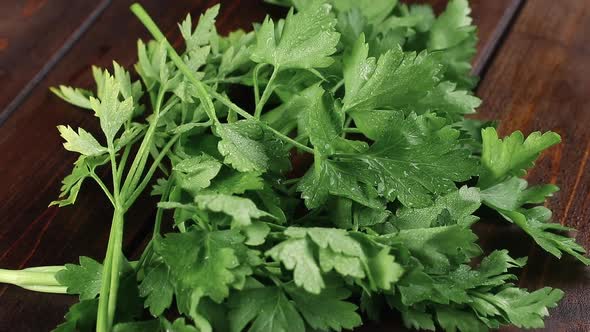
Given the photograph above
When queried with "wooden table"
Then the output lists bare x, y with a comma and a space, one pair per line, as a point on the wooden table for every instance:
534, 62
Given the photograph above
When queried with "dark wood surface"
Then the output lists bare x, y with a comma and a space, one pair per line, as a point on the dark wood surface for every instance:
533, 56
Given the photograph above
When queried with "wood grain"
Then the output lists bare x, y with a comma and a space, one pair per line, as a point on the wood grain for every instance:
540, 80
34, 34
31, 234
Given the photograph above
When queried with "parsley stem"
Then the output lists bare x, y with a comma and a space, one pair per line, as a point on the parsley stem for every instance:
123, 160
141, 186
160, 212
47, 289
140, 159
28, 277
117, 254
103, 187
352, 130
102, 324
201, 88
265, 94
255, 82
336, 87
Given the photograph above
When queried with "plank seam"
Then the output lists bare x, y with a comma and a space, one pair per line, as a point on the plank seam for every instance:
53, 61
497, 39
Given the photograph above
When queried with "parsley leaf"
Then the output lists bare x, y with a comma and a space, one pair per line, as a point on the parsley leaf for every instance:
394, 80
83, 279
512, 155
268, 308
304, 40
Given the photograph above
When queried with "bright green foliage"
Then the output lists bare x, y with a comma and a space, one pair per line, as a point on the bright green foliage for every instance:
394, 80
304, 40
209, 268
453, 34
242, 210
328, 310
268, 309
350, 255
157, 289
511, 156
81, 142
412, 159
111, 112
83, 279
317, 162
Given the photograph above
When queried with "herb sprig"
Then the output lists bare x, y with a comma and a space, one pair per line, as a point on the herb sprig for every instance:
348, 186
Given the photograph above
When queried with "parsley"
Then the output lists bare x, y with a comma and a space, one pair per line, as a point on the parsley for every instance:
372, 96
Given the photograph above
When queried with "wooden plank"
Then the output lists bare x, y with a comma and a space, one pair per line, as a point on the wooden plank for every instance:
540, 80
30, 234
34, 36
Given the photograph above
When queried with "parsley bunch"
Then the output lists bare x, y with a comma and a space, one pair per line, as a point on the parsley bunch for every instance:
346, 185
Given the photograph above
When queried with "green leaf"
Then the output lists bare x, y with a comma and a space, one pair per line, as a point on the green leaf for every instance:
80, 317
157, 289
394, 80
82, 142
267, 308
513, 193
83, 279
357, 256
413, 161
179, 325
297, 255
305, 40
111, 112
453, 33
511, 156
203, 33
451, 319
196, 173
202, 262
526, 310
448, 101
232, 182
537, 223
256, 233
331, 178
75, 96
460, 205
71, 184
247, 147
327, 311
144, 326
438, 248
242, 210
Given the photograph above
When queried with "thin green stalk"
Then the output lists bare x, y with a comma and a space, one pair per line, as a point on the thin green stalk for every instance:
123, 161
155, 153
110, 275
47, 289
102, 324
266, 93
160, 212
50, 268
140, 159
117, 256
352, 130
290, 181
337, 86
202, 89
103, 187
141, 186
255, 82
28, 278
